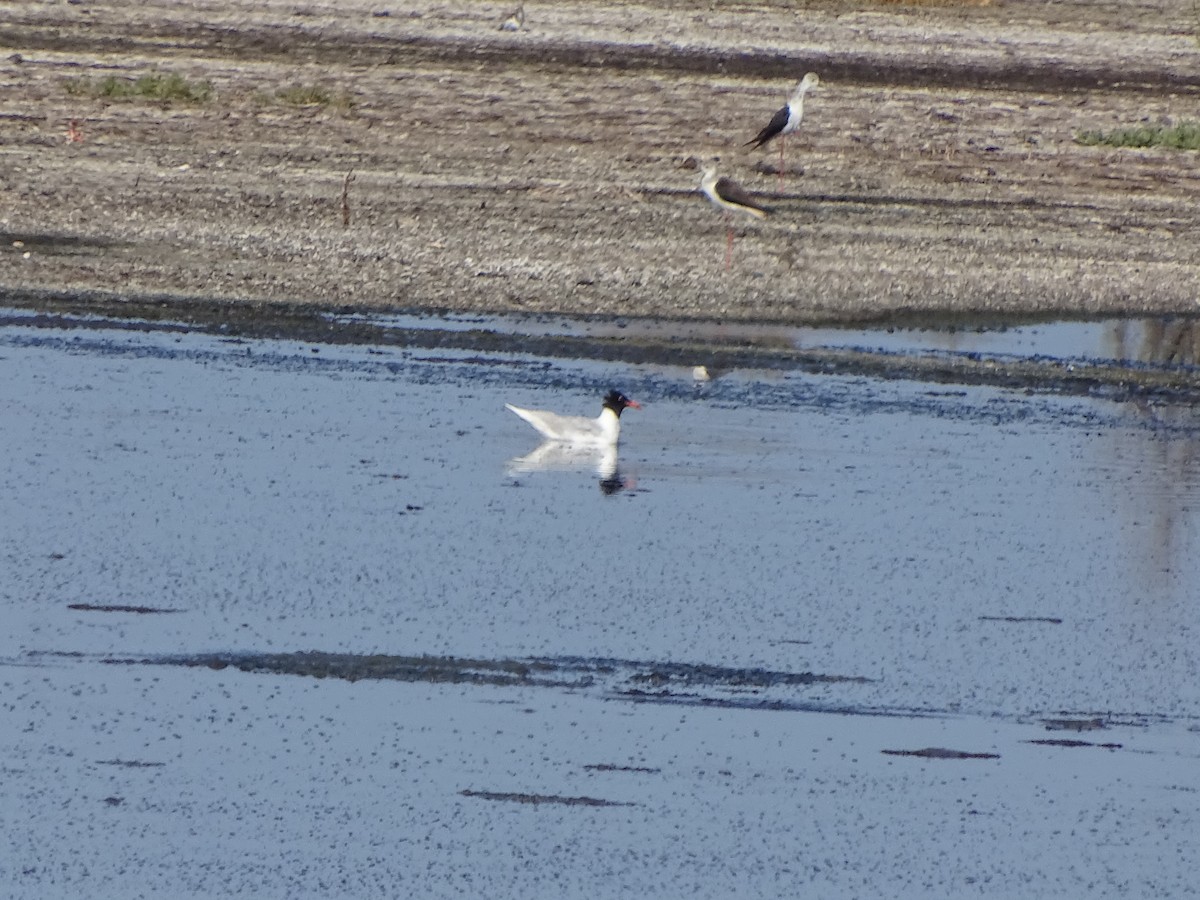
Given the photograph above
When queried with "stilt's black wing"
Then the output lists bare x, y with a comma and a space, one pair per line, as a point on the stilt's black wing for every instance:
774, 127
732, 192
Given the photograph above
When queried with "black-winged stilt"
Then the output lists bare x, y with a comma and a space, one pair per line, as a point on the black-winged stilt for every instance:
730, 197
787, 119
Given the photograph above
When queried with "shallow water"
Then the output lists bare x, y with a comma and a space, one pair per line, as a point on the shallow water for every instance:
958, 567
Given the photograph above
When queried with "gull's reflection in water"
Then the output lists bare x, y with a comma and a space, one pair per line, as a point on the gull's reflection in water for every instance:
554, 456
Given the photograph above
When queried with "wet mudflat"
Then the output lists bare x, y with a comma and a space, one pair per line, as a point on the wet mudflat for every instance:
311, 619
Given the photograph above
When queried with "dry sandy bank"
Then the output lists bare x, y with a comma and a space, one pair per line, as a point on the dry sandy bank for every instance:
546, 169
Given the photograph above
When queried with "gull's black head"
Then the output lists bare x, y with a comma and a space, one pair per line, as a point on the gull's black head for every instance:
616, 401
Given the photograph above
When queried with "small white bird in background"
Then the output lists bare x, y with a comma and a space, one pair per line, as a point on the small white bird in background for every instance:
787, 119
729, 196
604, 429
515, 20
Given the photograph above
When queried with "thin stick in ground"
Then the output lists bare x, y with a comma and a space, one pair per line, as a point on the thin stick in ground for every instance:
346, 198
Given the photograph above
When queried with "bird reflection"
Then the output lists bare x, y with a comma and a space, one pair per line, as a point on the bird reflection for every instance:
555, 456
615, 483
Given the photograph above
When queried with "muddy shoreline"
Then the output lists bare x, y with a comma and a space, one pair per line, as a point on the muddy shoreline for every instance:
449, 165
1113, 380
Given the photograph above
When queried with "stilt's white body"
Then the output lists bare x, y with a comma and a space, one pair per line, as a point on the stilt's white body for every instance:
788, 119
604, 429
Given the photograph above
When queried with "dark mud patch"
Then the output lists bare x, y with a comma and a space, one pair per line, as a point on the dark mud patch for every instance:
689, 685
685, 674
130, 763
638, 681
610, 767
754, 702
1065, 742
539, 799
1092, 724
121, 608
352, 667
941, 753
1043, 620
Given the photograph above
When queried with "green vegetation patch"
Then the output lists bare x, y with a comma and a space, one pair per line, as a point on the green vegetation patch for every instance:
305, 95
152, 86
1181, 136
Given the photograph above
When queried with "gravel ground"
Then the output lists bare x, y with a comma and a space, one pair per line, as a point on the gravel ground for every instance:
553, 168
